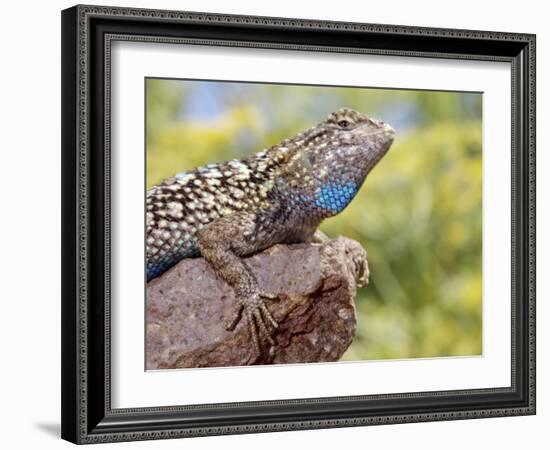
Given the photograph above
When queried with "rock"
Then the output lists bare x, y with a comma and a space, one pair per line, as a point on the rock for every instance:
316, 285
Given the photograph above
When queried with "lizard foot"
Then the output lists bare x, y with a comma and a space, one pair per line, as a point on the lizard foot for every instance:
361, 270
257, 315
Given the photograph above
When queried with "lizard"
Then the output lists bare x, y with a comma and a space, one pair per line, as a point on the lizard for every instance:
227, 211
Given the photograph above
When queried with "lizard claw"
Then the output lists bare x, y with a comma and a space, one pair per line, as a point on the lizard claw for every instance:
257, 316
269, 296
362, 272
231, 324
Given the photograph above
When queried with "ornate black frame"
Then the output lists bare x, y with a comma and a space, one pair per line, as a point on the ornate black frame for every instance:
87, 32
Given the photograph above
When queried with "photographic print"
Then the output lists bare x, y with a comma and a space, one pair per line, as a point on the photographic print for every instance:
237, 234
299, 224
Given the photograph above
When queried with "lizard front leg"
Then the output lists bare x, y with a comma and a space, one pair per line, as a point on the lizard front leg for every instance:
223, 243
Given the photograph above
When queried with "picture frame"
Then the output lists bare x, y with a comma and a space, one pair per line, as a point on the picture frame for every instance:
88, 415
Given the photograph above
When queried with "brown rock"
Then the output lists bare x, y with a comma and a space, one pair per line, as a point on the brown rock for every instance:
316, 286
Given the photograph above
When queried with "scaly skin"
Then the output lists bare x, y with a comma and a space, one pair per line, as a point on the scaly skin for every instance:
237, 208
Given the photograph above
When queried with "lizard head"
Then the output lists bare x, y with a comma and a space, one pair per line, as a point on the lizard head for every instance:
337, 156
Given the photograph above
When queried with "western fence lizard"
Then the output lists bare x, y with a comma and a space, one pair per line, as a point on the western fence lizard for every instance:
236, 208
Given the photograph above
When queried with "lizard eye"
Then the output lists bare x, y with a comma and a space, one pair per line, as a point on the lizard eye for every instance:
343, 124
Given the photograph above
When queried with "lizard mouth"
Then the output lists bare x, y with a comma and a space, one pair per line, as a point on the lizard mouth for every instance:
388, 129
380, 138
385, 129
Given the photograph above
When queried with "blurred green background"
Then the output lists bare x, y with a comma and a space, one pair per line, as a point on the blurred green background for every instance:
418, 214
